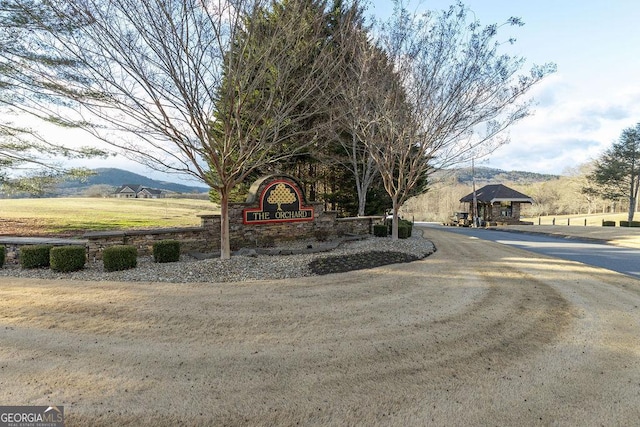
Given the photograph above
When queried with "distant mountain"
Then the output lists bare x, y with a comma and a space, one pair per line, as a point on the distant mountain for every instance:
484, 175
117, 177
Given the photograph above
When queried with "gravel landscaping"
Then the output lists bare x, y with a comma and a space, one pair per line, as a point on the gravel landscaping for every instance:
306, 259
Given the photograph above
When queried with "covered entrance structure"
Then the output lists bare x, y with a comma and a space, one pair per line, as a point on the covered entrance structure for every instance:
497, 204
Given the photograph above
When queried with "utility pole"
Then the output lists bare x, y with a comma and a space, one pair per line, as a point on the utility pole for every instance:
476, 222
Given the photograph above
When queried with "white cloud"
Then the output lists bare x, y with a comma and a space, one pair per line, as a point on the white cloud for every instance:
573, 123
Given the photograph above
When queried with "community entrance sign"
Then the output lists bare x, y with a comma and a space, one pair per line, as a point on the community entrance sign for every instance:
281, 200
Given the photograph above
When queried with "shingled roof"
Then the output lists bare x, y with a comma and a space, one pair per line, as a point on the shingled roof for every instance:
497, 193
136, 188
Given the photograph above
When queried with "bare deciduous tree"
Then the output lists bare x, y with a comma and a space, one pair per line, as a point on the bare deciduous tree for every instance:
29, 162
455, 97
210, 88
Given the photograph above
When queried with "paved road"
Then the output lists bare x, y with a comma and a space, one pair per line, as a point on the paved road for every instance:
622, 260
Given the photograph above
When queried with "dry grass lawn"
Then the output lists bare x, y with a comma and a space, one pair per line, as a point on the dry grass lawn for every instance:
68, 216
476, 334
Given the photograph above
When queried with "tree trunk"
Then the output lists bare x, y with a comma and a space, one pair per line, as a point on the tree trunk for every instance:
633, 195
362, 200
394, 226
312, 194
225, 247
333, 191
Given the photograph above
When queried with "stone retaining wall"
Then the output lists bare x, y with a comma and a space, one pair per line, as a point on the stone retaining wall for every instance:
192, 239
206, 238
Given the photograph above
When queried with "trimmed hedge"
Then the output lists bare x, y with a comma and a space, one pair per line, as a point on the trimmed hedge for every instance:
3, 252
401, 223
120, 257
629, 224
35, 256
404, 231
405, 223
380, 230
67, 258
166, 251
608, 223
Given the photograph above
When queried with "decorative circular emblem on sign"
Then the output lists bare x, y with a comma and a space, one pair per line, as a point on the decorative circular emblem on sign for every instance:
280, 201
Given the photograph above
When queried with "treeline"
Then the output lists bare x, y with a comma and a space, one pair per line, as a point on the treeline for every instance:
553, 194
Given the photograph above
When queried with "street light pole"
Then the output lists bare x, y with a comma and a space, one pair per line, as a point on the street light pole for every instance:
475, 198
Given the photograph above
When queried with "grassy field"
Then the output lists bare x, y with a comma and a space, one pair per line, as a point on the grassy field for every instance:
64, 216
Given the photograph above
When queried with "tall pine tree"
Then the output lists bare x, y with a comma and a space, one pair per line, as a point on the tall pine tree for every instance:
616, 173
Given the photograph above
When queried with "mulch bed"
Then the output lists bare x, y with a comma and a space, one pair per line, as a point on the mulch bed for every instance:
359, 261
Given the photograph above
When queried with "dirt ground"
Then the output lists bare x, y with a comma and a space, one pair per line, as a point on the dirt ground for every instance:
476, 334
30, 227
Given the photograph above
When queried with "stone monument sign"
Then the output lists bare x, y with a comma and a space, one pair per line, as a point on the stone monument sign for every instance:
281, 200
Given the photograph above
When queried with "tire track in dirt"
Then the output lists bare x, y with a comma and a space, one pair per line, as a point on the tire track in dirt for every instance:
508, 315
475, 334
489, 324
589, 374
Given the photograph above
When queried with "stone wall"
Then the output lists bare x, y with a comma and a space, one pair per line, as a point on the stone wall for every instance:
192, 239
323, 227
206, 238
497, 219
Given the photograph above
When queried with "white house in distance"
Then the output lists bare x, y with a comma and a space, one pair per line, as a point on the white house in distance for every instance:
133, 191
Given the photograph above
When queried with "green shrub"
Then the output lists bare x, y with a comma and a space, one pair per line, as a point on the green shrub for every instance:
380, 230
2, 255
120, 257
406, 223
67, 258
34, 256
401, 223
629, 223
166, 251
404, 231
608, 223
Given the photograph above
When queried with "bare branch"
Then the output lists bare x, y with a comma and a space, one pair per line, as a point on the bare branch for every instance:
211, 88
453, 97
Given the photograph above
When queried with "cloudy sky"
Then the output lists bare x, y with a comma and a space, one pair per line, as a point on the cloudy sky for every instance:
595, 94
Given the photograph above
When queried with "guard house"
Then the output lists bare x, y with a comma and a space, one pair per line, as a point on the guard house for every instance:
497, 204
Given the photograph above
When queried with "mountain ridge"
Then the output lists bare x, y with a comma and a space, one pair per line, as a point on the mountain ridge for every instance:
486, 175
117, 177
